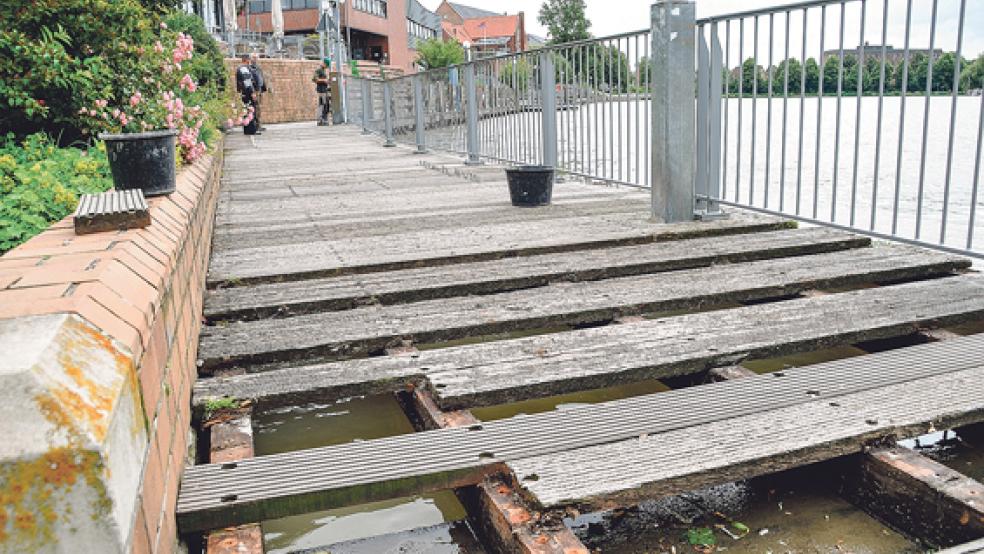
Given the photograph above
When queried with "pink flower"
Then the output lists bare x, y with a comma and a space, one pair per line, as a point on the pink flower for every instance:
188, 83
124, 119
93, 113
83, 111
135, 99
158, 47
230, 123
116, 113
101, 103
163, 25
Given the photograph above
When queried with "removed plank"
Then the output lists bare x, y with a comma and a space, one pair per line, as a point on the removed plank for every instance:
340, 335
410, 285
504, 371
590, 452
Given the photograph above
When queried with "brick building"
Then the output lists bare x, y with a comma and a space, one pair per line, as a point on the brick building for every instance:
376, 30
488, 33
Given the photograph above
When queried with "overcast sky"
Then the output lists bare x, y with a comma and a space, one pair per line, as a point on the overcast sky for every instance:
616, 16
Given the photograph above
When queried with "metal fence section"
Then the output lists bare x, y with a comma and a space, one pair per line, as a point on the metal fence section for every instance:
803, 110
580, 107
822, 120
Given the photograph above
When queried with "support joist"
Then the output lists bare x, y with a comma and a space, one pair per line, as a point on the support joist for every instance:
340, 335
925, 499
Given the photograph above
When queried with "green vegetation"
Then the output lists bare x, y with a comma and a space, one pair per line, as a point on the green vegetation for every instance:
40, 183
565, 20
70, 69
435, 53
216, 405
849, 76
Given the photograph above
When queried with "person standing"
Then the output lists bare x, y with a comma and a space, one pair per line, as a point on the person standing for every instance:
247, 88
261, 88
323, 87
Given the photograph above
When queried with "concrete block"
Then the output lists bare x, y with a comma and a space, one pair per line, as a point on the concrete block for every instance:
74, 438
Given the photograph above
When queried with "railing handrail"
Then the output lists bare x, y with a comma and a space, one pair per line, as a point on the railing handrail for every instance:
808, 4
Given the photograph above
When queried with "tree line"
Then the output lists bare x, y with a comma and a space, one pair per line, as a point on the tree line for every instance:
809, 77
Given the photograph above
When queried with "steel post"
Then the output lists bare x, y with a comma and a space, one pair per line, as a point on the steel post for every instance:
366, 106
673, 93
548, 86
471, 114
388, 113
418, 111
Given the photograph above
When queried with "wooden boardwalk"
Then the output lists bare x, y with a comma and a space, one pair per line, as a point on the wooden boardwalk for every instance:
330, 250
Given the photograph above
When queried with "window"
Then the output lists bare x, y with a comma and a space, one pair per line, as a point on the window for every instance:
417, 30
372, 7
266, 6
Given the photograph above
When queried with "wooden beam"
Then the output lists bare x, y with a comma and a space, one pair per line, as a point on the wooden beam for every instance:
231, 441
919, 496
503, 516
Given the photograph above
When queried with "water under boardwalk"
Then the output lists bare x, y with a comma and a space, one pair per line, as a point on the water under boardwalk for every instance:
528, 318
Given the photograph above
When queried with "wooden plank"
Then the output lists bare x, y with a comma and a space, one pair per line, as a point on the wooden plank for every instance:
444, 246
975, 547
340, 335
410, 285
920, 496
626, 472
504, 371
806, 415
111, 211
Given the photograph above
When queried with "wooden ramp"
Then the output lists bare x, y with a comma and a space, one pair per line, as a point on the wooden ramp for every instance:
315, 276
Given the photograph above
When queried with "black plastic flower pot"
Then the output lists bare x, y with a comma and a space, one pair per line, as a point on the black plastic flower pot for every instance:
530, 185
142, 161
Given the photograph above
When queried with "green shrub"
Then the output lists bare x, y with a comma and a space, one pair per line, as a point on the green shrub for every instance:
41, 183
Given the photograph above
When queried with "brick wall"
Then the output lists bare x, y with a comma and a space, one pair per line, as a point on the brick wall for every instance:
292, 96
138, 294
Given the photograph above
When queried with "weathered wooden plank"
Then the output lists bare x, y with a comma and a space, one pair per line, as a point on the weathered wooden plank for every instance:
758, 424
346, 292
975, 547
504, 371
340, 335
626, 472
444, 246
929, 501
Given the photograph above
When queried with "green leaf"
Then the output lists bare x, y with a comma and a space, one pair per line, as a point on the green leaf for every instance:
701, 536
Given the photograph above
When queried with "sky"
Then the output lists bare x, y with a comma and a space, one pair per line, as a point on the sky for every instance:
610, 17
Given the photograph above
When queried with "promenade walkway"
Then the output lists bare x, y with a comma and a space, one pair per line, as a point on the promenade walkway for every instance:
331, 254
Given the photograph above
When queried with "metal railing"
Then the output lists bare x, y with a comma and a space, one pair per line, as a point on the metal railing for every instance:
861, 135
826, 141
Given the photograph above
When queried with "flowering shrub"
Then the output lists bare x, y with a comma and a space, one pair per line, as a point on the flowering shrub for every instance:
164, 98
40, 184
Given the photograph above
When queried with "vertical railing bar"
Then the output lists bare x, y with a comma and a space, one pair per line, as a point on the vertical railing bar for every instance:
785, 118
703, 103
727, 104
953, 119
599, 124
878, 125
905, 88
820, 96
925, 138
741, 89
857, 115
837, 133
768, 120
802, 117
621, 154
638, 100
977, 177
611, 116
715, 70
583, 110
646, 44
755, 61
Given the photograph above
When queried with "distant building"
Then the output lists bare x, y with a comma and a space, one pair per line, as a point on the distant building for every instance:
385, 31
535, 41
488, 33
892, 55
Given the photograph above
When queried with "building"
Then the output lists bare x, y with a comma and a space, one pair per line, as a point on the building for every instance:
892, 55
535, 41
487, 33
378, 31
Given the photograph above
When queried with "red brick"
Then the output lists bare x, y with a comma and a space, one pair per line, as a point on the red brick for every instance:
152, 493
139, 537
